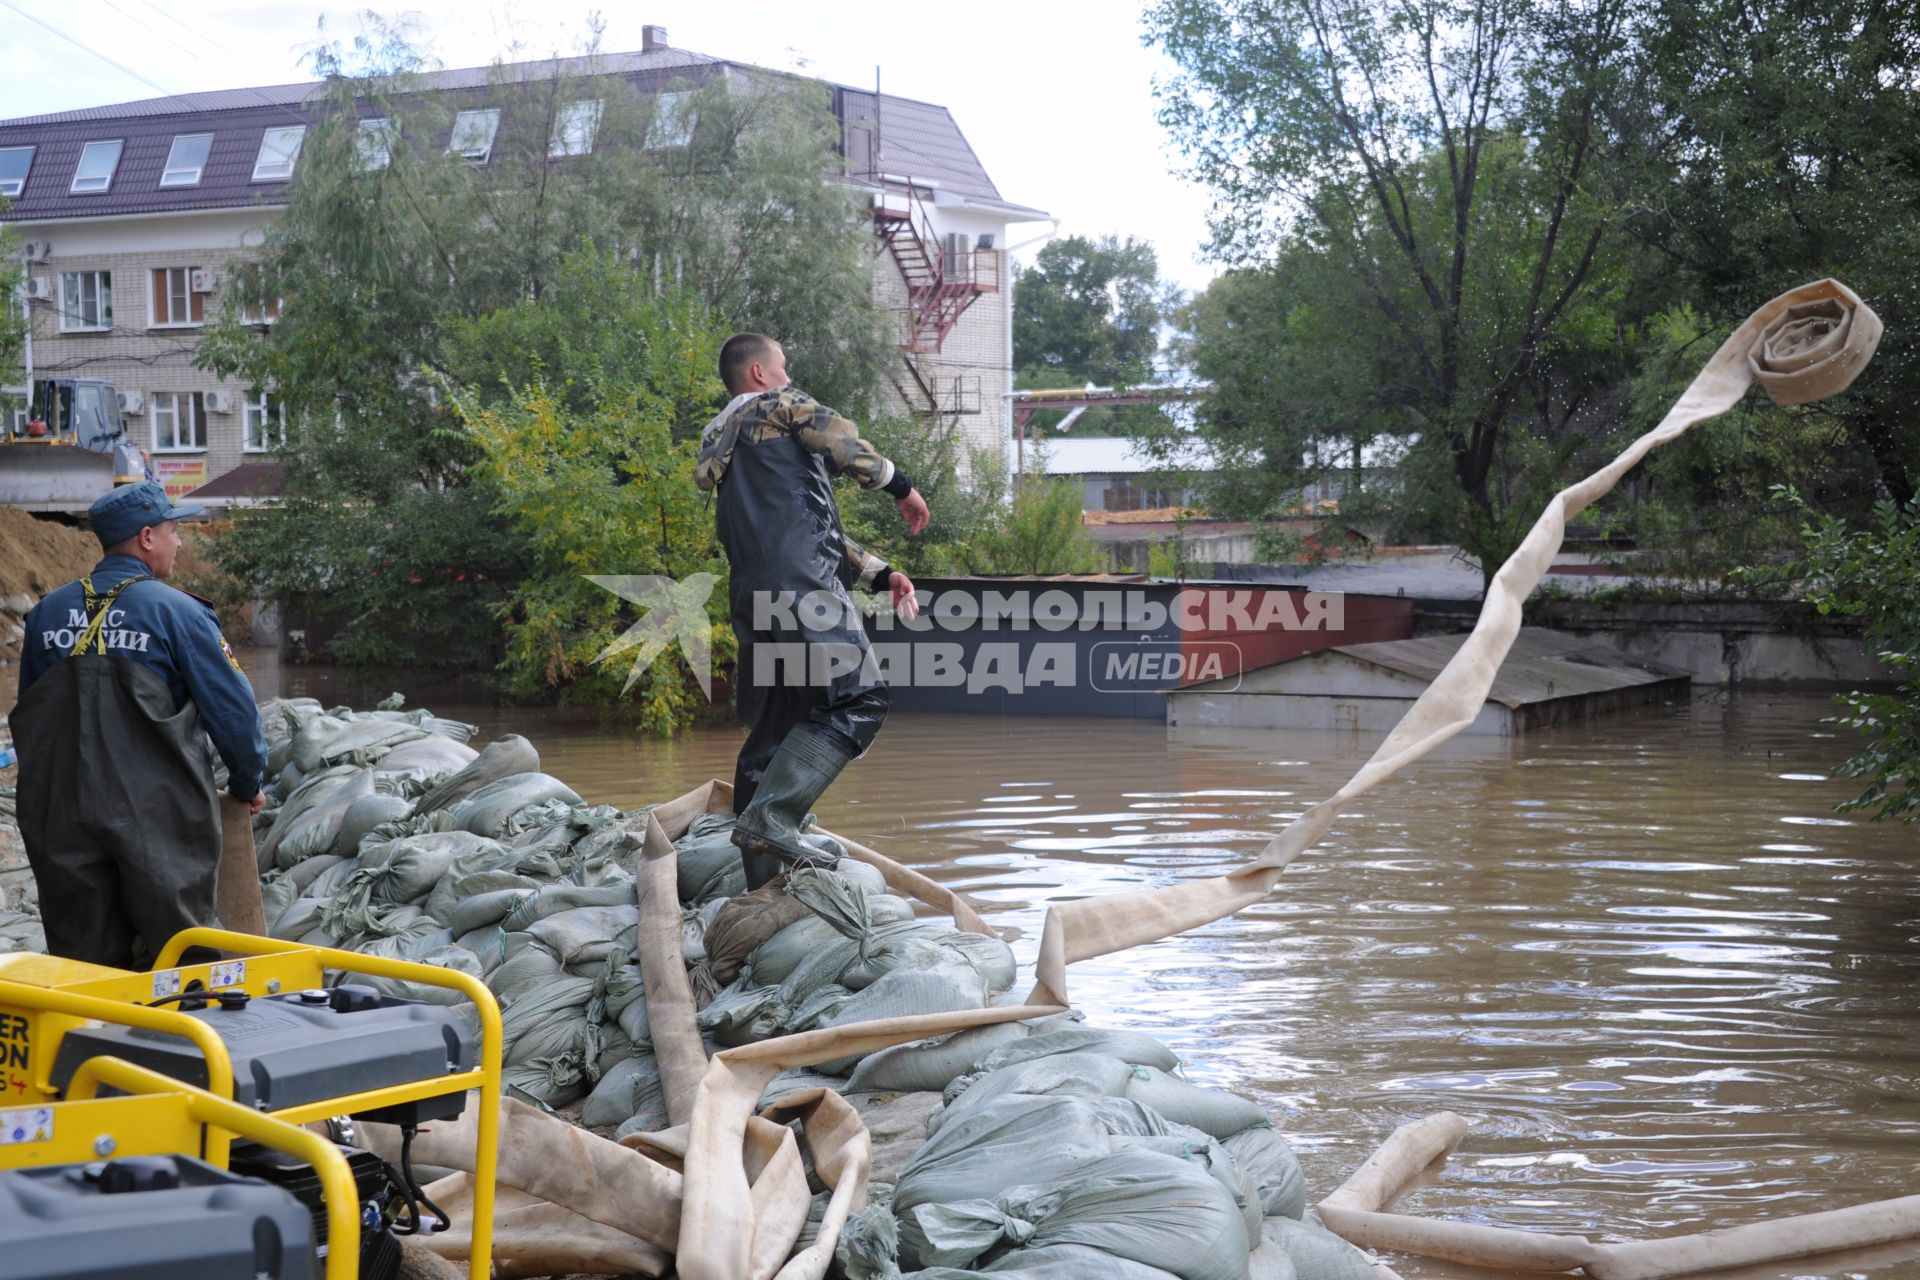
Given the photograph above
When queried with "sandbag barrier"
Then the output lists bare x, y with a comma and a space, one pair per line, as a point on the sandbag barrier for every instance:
640, 982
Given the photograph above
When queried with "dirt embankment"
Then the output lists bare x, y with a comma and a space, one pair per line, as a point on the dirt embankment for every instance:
35, 557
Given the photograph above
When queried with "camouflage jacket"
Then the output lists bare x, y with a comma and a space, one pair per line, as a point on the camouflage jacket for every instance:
772, 457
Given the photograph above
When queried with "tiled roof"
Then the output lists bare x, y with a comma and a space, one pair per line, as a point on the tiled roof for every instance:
918, 139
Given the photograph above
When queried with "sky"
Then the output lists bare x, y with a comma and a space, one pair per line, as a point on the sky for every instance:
1055, 96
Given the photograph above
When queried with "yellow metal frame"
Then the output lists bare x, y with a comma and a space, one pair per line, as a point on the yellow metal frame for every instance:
162, 1116
62, 994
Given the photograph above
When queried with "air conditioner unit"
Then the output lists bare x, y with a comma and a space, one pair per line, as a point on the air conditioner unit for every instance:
40, 288
203, 281
132, 402
36, 250
219, 402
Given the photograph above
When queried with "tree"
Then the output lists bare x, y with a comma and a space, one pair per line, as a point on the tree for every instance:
1438, 186
1870, 572
1795, 157
1089, 312
596, 473
390, 522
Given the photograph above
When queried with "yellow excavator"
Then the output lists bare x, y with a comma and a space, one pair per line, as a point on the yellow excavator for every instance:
71, 449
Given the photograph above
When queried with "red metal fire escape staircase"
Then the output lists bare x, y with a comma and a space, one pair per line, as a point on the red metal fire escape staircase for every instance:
941, 285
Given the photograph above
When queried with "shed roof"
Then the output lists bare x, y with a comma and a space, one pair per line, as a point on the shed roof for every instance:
1542, 665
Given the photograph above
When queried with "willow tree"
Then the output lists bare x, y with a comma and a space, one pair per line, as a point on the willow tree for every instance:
392, 239
1451, 175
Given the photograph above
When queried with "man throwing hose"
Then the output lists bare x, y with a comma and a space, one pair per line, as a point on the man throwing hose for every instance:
771, 455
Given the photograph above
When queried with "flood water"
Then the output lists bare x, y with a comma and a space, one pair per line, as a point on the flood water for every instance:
1671, 987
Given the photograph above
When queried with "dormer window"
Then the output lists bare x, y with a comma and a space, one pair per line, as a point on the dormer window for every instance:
186, 160
473, 134
574, 127
94, 173
14, 163
373, 144
279, 151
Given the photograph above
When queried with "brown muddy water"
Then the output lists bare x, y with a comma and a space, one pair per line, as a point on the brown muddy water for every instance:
1673, 988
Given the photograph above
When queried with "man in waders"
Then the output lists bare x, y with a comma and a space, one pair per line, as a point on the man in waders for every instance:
122, 681
808, 687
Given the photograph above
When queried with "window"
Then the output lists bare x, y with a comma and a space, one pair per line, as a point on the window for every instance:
174, 301
374, 143
279, 149
266, 419
473, 133
672, 123
177, 421
94, 173
86, 301
186, 160
14, 163
260, 310
574, 127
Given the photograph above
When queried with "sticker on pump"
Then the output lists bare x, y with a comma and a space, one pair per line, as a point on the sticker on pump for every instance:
166, 982
26, 1126
228, 973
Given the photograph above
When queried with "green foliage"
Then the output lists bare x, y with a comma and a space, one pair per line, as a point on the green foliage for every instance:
1871, 573
1424, 202
1040, 532
1795, 157
957, 511
1088, 312
599, 480
499, 281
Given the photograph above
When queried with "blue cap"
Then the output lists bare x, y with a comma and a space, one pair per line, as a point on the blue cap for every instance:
133, 507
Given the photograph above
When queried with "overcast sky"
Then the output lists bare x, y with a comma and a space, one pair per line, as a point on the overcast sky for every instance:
1056, 96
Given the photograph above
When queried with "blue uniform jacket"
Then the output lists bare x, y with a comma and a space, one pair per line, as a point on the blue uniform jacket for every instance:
172, 634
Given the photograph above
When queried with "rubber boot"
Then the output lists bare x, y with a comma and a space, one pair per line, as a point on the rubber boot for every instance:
767, 833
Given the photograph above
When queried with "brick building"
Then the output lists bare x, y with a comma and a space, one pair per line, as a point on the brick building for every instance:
130, 214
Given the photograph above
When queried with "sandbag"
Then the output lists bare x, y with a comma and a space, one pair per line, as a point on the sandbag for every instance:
298, 918
588, 935
708, 864
1196, 1147
1084, 1074
490, 810
430, 756
510, 755
903, 993
1002, 1144
1076, 1037
309, 821
363, 815
552, 899
773, 962
327, 741
484, 910
1140, 1205
629, 1090
444, 956
1317, 1253
1265, 1156
929, 1065
742, 924
484, 868
1213, 1111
